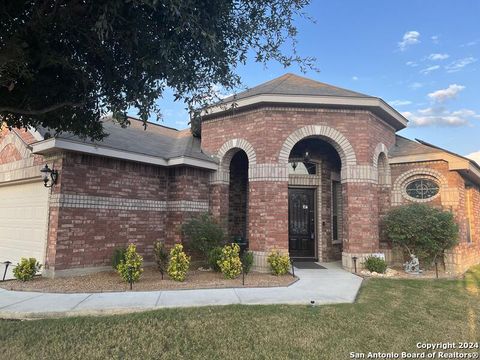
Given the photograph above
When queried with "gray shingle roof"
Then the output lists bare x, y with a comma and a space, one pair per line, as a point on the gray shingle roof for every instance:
291, 84
405, 147
155, 140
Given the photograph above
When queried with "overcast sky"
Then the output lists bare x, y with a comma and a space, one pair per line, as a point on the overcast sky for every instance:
423, 57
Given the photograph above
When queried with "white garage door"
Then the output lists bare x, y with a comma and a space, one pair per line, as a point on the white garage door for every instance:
23, 223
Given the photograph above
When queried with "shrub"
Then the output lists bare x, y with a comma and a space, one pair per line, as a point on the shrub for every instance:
247, 261
26, 269
229, 262
178, 264
279, 263
161, 257
203, 234
213, 258
375, 264
118, 256
421, 230
130, 268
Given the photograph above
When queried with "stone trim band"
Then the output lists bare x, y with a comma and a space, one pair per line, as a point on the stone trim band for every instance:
101, 202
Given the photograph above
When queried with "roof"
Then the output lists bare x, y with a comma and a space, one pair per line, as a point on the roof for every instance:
406, 147
297, 90
291, 84
424, 143
408, 151
155, 141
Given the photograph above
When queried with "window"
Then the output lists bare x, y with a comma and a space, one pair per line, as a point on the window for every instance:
336, 212
302, 168
422, 189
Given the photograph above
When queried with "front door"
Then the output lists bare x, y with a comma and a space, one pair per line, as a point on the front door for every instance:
301, 223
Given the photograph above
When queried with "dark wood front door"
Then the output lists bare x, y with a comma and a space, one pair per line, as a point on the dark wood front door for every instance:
301, 223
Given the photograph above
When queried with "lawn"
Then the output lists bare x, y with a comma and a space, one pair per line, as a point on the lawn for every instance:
390, 315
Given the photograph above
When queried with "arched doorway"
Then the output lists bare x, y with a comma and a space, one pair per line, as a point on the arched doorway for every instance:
238, 198
315, 199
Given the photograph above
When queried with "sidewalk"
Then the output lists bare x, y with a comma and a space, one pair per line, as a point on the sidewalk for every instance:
323, 286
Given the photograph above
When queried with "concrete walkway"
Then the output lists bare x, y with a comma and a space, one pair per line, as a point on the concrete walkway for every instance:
323, 286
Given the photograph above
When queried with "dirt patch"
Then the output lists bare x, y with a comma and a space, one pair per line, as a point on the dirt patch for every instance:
151, 280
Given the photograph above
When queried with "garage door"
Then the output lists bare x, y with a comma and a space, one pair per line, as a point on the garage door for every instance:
23, 222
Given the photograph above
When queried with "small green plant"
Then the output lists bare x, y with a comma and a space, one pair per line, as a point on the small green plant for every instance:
117, 257
247, 261
375, 264
213, 258
203, 233
178, 264
130, 268
26, 269
161, 257
229, 262
279, 263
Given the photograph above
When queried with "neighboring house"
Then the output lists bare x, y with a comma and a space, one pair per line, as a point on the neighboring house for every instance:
295, 165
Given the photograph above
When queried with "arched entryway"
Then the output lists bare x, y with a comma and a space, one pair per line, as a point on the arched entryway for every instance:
315, 215
238, 198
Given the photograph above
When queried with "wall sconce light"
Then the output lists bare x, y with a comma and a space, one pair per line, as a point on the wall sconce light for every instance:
49, 175
306, 157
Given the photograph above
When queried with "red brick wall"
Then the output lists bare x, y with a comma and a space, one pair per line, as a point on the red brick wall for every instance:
266, 129
463, 255
9, 154
86, 236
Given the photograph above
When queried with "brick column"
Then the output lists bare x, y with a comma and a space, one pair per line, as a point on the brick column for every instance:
219, 189
267, 211
360, 215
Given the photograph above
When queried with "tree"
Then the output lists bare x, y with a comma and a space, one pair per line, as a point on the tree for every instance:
421, 229
66, 63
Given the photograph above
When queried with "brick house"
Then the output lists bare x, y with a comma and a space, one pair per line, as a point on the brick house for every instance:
292, 164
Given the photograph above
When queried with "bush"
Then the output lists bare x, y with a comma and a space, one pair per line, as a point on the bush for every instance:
279, 263
26, 269
203, 234
247, 261
229, 262
375, 264
213, 258
118, 256
130, 268
161, 257
178, 264
421, 230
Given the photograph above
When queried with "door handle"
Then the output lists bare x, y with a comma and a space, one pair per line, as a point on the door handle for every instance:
312, 236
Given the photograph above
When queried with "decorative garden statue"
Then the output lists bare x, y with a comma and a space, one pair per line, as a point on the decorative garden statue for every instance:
412, 266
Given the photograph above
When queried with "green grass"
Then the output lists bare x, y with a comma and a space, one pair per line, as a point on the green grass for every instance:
390, 315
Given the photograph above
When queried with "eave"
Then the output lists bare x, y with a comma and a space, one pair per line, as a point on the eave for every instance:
54, 144
373, 104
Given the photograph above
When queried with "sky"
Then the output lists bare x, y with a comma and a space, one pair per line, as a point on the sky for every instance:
421, 56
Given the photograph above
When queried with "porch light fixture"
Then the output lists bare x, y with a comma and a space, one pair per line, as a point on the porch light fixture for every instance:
50, 176
306, 158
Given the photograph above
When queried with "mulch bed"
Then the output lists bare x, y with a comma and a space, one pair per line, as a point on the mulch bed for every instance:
424, 275
150, 281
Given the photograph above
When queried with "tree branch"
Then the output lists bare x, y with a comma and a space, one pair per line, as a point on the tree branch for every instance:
39, 111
